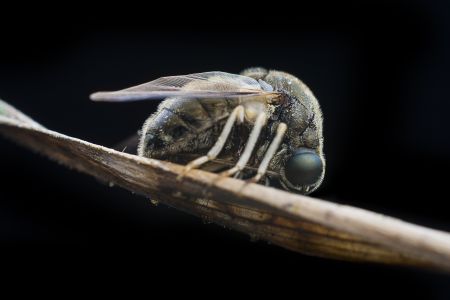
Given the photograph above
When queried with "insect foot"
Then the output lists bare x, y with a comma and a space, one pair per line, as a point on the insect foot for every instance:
193, 165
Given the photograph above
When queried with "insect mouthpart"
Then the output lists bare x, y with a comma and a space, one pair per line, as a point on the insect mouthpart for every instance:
303, 171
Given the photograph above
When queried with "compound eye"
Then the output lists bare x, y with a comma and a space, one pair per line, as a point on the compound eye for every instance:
304, 167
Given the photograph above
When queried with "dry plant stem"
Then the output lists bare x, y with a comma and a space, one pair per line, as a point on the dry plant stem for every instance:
299, 223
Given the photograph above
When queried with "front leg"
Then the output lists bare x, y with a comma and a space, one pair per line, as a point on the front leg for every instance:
281, 130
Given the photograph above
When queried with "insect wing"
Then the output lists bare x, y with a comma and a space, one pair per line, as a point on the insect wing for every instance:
213, 85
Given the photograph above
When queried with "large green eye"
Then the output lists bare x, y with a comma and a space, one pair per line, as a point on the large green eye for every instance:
304, 167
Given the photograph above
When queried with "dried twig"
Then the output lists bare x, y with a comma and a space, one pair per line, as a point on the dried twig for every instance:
299, 223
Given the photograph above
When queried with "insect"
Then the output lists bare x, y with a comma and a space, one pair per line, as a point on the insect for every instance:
260, 125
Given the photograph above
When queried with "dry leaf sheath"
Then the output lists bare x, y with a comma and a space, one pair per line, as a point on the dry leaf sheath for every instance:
299, 223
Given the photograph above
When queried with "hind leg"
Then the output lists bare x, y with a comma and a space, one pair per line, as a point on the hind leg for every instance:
236, 116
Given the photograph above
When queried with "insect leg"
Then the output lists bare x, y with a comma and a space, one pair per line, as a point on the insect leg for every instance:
238, 113
259, 124
281, 130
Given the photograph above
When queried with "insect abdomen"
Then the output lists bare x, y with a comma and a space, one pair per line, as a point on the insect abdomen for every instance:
182, 125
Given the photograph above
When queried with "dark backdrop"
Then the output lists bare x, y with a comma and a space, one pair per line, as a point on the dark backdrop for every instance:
379, 70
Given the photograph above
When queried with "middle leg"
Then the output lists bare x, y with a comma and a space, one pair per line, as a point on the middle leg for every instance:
253, 138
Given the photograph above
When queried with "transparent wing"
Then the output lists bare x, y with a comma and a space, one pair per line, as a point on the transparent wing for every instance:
198, 85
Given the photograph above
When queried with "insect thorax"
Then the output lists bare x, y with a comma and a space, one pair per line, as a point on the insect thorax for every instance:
300, 109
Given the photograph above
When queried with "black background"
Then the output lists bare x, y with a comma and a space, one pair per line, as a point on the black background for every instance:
380, 71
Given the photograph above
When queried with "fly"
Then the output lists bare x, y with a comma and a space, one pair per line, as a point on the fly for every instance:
259, 125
